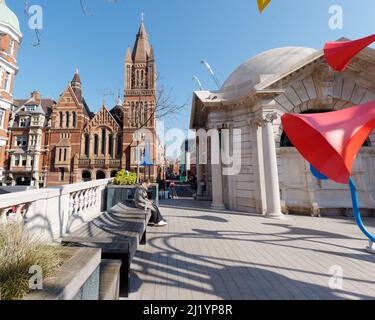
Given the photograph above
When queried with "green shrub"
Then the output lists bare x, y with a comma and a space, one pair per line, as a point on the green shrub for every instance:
125, 178
19, 250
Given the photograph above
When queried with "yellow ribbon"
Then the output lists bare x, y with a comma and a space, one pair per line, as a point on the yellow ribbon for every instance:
262, 4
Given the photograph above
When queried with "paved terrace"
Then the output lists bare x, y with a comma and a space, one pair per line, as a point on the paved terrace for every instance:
205, 254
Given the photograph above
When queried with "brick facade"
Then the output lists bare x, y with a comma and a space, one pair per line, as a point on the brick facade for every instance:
10, 38
75, 145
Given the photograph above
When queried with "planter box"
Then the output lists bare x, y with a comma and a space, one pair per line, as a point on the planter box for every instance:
117, 194
77, 279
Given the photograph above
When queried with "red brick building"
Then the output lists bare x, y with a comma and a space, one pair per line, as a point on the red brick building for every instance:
10, 38
79, 145
27, 151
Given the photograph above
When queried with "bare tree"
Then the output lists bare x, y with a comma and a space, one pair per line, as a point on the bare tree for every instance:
165, 107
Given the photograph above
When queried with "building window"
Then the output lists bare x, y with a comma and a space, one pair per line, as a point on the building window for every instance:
104, 145
33, 140
35, 121
6, 81
23, 161
67, 119
110, 145
65, 154
30, 108
17, 161
146, 114
60, 154
74, 120
119, 145
11, 46
61, 119
87, 145
2, 116
96, 144
22, 122
21, 141
62, 174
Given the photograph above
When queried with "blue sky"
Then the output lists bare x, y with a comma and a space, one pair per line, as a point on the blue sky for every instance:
225, 32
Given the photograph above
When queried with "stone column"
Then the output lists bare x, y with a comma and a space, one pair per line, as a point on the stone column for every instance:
199, 170
217, 180
83, 145
114, 146
270, 166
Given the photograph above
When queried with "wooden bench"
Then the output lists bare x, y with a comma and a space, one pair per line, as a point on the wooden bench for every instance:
118, 233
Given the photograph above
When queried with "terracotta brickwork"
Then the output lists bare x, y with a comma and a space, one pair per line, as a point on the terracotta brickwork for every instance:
10, 38
76, 145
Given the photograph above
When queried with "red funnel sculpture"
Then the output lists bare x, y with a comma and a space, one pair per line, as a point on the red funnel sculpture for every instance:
339, 54
330, 141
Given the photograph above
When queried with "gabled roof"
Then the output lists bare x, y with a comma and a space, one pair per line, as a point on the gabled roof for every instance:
103, 118
44, 104
85, 108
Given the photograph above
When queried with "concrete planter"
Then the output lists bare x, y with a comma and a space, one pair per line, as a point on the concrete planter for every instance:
116, 194
77, 279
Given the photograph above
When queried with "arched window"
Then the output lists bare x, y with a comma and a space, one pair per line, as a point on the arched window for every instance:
100, 175
67, 119
110, 145
74, 119
137, 78
87, 145
96, 144
141, 114
136, 114
61, 119
86, 176
104, 144
132, 114
146, 113
119, 145
142, 78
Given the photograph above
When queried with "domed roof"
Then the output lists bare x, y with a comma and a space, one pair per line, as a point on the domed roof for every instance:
8, 17
272, 62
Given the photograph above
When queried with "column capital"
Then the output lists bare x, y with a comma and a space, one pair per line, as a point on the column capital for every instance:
265, 118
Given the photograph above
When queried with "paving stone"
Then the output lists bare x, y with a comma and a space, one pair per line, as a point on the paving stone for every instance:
207, 254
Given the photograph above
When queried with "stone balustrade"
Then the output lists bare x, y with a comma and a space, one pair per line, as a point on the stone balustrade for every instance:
53, 212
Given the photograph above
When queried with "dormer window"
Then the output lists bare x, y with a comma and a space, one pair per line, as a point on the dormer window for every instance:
30, 108
2, 115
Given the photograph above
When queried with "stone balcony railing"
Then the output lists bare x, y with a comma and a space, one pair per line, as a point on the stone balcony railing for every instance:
100, 163
53, 212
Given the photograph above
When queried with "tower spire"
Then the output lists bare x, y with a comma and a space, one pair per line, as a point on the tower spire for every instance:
76, 85
141, 49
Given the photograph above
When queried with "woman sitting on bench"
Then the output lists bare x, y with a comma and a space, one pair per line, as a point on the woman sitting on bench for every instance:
142, 202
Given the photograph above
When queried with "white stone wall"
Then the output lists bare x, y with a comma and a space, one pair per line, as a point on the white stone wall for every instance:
300, 190
53, 212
